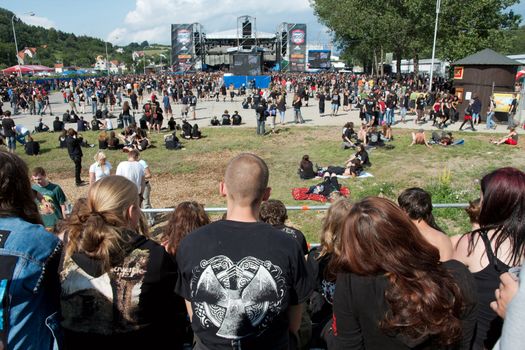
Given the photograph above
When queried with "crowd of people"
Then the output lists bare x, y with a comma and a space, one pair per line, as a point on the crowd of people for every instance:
385, 275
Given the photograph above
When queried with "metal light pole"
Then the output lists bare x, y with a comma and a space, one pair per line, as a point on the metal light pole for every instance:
438, 7
107, 59
16, 44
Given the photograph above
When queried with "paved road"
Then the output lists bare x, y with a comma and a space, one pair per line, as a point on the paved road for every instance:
207, 109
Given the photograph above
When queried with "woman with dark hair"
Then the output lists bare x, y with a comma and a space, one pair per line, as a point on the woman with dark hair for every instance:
417, 204
127, 119
306, 168
117, 285
496, 246
393, 292
29, 259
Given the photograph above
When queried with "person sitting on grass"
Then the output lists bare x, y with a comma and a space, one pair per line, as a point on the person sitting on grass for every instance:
348, 134
113, 141
186, 129
306, 168
226, 118
195, 132
31, 147
236, 118
214, 121
510, 139
419, 138
103, 140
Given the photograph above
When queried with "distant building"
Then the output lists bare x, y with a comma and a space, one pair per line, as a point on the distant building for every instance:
407, 66
59, 67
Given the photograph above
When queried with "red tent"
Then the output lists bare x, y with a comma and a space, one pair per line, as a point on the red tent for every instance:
25, 69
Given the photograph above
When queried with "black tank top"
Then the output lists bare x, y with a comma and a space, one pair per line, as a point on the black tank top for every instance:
487, 280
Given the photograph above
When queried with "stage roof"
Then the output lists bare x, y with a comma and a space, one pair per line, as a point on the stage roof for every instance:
232, 34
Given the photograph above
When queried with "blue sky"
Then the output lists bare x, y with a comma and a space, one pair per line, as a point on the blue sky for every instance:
123, 21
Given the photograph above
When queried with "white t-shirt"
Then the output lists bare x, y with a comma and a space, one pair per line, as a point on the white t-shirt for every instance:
99, 172
133, 171
109, 124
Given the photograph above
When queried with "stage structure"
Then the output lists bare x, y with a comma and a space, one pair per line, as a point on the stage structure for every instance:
243, 50
292, 47
187, 46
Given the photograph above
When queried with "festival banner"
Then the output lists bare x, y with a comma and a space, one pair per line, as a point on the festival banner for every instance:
182, 46
297, 47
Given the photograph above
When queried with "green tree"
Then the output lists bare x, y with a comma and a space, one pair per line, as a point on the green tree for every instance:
406, 27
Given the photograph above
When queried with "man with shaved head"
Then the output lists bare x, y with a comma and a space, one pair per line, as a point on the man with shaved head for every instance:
243, 280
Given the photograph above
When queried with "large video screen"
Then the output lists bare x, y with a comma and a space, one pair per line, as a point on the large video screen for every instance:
319, 59
246, 64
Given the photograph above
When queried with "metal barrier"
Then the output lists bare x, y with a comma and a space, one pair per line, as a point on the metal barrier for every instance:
300, 207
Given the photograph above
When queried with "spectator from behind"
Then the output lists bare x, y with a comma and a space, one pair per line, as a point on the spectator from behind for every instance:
29, 259
417, 204
32, 147
306, 168
274, 212
418, 302
318, 260
496, 246
108, 251
58, 125
254, 264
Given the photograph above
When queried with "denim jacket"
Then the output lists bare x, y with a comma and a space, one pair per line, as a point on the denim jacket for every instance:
29, 286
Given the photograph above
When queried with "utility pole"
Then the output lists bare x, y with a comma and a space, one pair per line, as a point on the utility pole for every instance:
438, 7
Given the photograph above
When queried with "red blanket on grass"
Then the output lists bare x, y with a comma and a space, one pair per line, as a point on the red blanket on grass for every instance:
300, 194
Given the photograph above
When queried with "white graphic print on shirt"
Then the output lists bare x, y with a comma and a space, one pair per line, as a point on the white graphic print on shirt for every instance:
238, 299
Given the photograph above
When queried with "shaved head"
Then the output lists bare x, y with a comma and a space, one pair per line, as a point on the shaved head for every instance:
246, 179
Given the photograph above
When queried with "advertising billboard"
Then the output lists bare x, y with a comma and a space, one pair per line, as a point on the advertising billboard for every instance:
182, 49
297, 47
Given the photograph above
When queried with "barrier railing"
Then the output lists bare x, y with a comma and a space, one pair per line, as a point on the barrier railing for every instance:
299, 207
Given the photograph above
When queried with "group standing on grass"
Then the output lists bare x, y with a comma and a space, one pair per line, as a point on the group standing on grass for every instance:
249, 280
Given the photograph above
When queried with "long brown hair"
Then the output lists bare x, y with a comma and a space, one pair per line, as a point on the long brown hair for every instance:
333, 225
16, 196
423, 298
187, 217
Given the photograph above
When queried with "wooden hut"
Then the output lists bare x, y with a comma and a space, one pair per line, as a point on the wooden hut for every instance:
482, 74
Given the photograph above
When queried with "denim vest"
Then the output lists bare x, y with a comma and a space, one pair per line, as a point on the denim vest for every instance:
29, 302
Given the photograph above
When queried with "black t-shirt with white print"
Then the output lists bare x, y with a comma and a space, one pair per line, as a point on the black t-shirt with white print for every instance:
241, 278
295, 234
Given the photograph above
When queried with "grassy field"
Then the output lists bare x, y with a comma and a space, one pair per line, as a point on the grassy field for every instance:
451, 174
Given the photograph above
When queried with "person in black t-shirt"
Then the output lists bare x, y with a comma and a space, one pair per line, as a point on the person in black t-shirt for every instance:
58, 125
243, 280
32, 148
273, 212
74, 150
236, 118
9, 131
322, 298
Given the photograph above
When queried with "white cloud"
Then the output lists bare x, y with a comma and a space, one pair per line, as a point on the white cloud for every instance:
151, 19
38, 21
